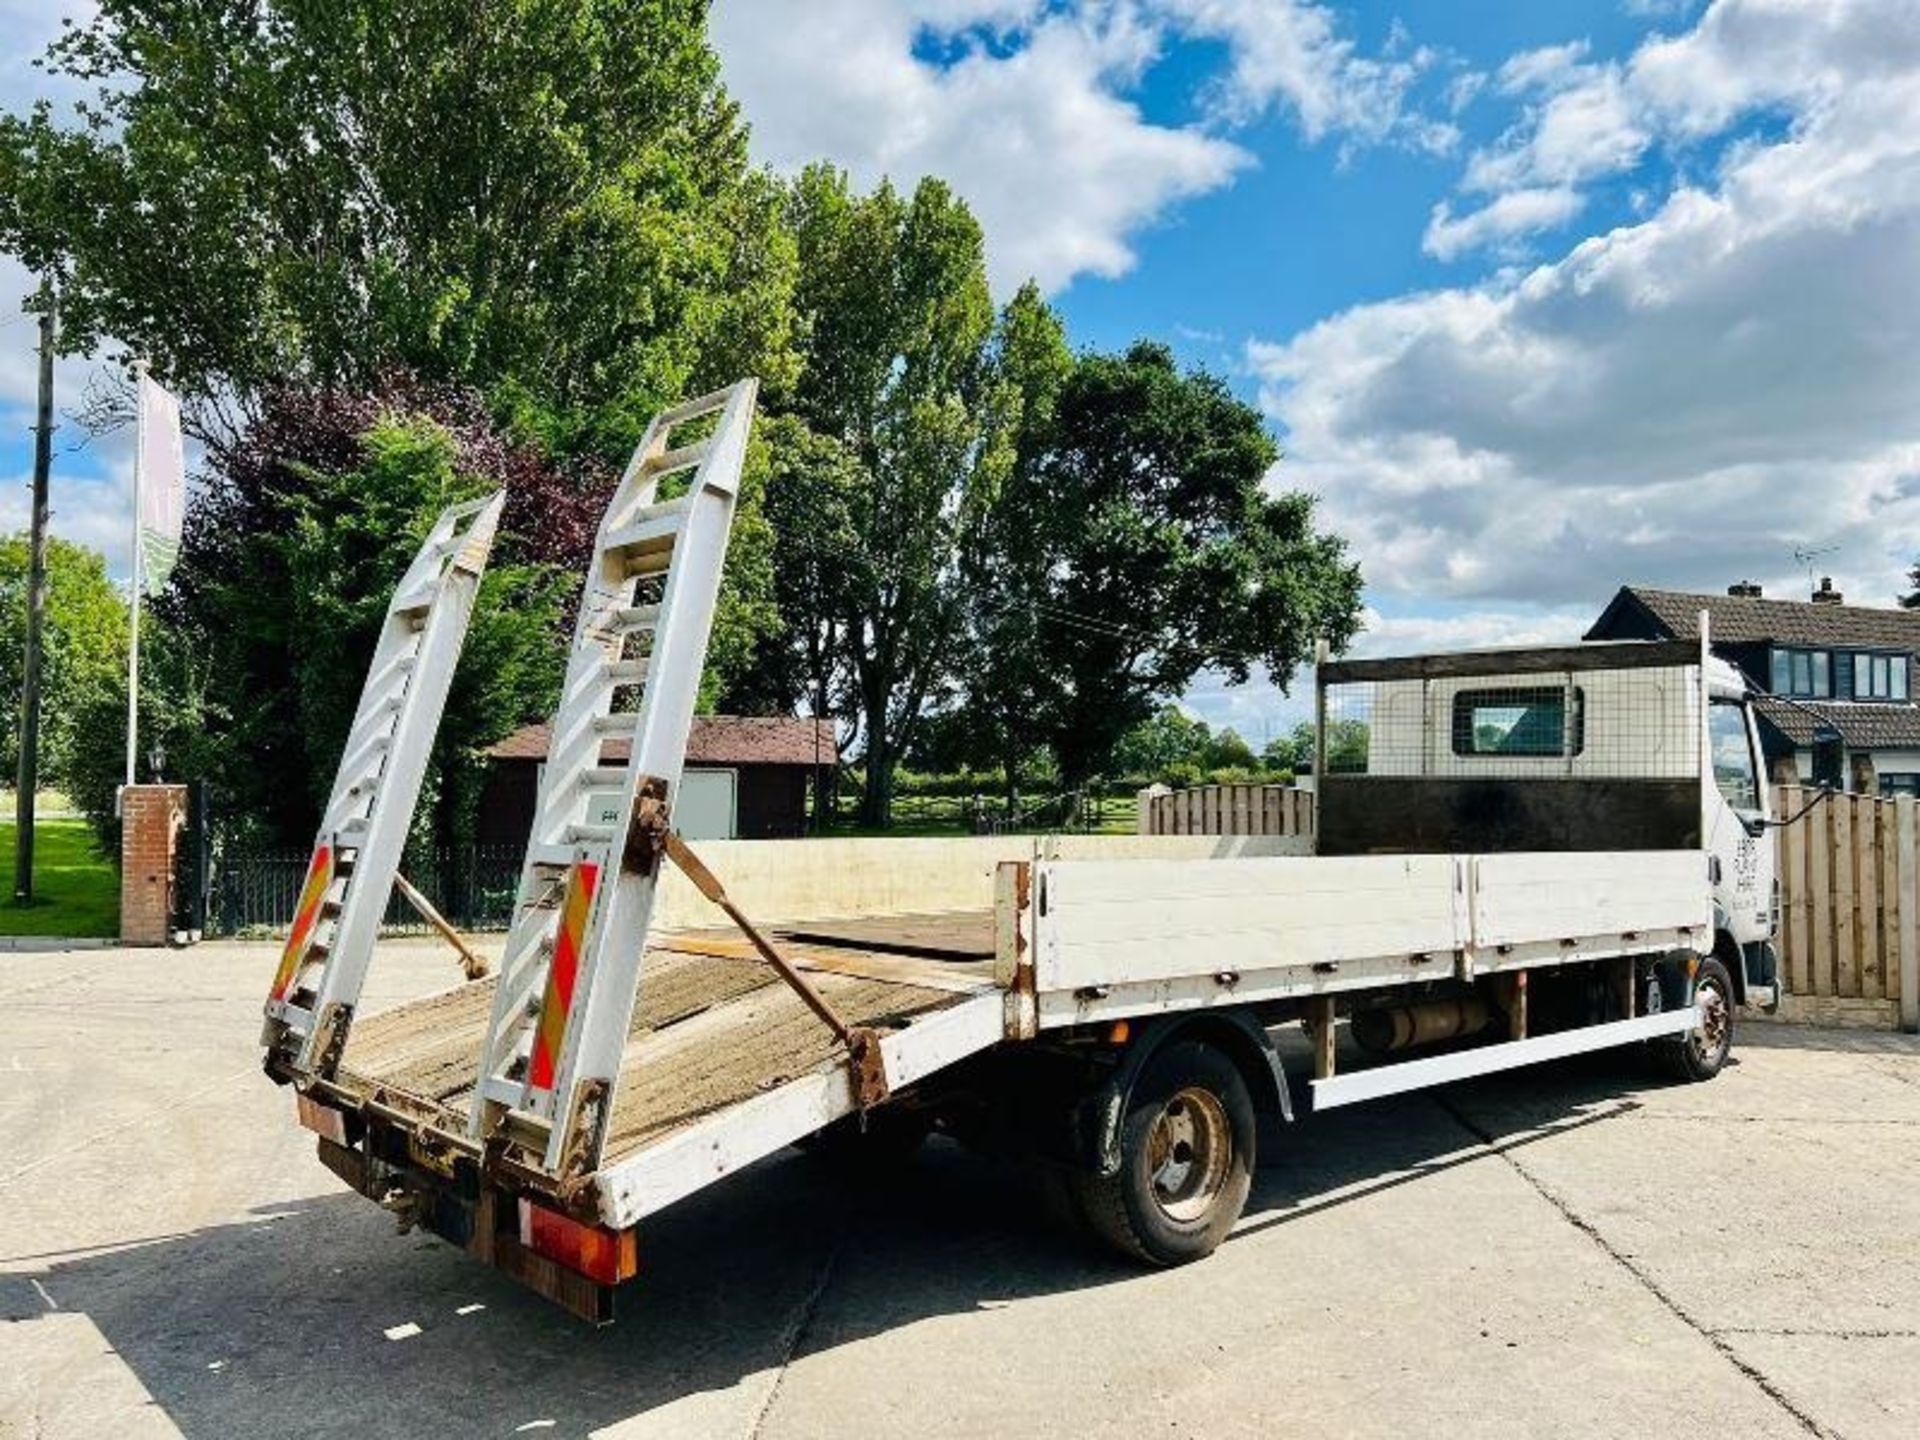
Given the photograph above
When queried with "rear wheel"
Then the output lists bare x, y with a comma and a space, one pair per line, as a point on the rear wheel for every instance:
1186, 1160
1699, 1053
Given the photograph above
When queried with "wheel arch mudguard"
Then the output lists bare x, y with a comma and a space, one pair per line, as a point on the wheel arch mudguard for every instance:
1236, 1034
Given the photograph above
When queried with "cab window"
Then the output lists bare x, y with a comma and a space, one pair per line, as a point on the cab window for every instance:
1527, 721
1733, 768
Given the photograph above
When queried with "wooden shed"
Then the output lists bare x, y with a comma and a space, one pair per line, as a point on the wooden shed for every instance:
748, 777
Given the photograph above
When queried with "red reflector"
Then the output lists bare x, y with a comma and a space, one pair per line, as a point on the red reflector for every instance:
608, 1256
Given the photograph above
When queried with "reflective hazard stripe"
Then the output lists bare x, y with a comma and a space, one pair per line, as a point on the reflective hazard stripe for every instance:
305, 918
561, 974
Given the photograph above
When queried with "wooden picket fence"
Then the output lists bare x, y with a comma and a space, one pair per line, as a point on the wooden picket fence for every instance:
1850, 898
1227, 810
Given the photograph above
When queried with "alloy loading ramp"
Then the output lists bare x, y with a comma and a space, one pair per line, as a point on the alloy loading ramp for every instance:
356, 855
550, 1054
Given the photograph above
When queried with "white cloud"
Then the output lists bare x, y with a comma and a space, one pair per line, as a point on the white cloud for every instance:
1518, 212
1587, 120
1060, 168
1588, 128
1685, 400
1037, 130
1464, 89
1551, 67
1291, 53
29, 25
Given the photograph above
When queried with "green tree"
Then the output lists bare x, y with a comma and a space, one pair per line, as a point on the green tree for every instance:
1153, 551
893, 303
353, 532
1346, 747
1007, 663
1166, 738
812, 490
85, 649
1227, 750
255, 656
1292, 751
550, 199
177, 719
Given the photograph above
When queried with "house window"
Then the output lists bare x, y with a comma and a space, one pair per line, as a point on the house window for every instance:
1879, 677
1530, 721
1802, 672
1900, 783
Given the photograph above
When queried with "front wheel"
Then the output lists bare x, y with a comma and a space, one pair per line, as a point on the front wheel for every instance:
1699, 1053
1186, 1160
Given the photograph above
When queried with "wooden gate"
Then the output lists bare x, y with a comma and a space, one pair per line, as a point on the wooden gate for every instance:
1850, 897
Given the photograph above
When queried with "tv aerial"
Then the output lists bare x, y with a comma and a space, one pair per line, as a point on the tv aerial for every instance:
1807, 554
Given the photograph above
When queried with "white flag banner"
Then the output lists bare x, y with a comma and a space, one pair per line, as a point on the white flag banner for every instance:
161, 482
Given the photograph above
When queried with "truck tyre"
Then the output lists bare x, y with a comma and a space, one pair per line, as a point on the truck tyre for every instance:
1186, 1160
1699, 1054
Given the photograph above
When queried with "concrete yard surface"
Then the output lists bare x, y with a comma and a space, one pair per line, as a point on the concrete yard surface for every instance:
1579, 1250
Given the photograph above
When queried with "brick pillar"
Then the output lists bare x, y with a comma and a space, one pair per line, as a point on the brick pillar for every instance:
151, 817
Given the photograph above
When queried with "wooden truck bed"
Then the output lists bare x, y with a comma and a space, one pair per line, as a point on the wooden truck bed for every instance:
715, 1025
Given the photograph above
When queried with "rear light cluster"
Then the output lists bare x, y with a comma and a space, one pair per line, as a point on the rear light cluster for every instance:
608, 1256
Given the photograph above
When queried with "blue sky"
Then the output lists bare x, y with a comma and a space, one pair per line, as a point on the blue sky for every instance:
1310, 228
1539, 298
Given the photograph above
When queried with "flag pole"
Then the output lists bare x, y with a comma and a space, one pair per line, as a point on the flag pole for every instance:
133, 615
27, 779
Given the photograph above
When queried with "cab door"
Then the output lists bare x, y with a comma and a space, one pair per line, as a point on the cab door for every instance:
1743, 861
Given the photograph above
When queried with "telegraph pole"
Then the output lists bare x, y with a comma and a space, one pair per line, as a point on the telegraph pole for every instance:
28, 778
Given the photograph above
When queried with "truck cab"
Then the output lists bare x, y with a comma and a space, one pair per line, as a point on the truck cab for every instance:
1593, 747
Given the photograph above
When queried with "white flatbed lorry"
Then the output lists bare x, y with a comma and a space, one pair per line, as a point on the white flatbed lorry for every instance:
1527, 854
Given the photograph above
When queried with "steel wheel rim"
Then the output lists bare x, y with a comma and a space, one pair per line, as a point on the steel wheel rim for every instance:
1712, 1035
1189, 1152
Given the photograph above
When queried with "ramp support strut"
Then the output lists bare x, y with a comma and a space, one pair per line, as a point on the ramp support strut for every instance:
656, 838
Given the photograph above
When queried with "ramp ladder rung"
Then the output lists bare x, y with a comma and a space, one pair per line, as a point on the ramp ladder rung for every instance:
683, 458
631, 618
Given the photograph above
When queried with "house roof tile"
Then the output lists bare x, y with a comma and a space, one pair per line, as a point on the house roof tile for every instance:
1861, 726
1740, 620
714, 740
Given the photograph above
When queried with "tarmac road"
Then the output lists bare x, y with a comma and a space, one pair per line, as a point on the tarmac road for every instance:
1577, 1250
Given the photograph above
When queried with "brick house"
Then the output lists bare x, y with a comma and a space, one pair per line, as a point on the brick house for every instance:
1847, 667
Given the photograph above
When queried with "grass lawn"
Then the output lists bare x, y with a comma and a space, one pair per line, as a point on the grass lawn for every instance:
76, 889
